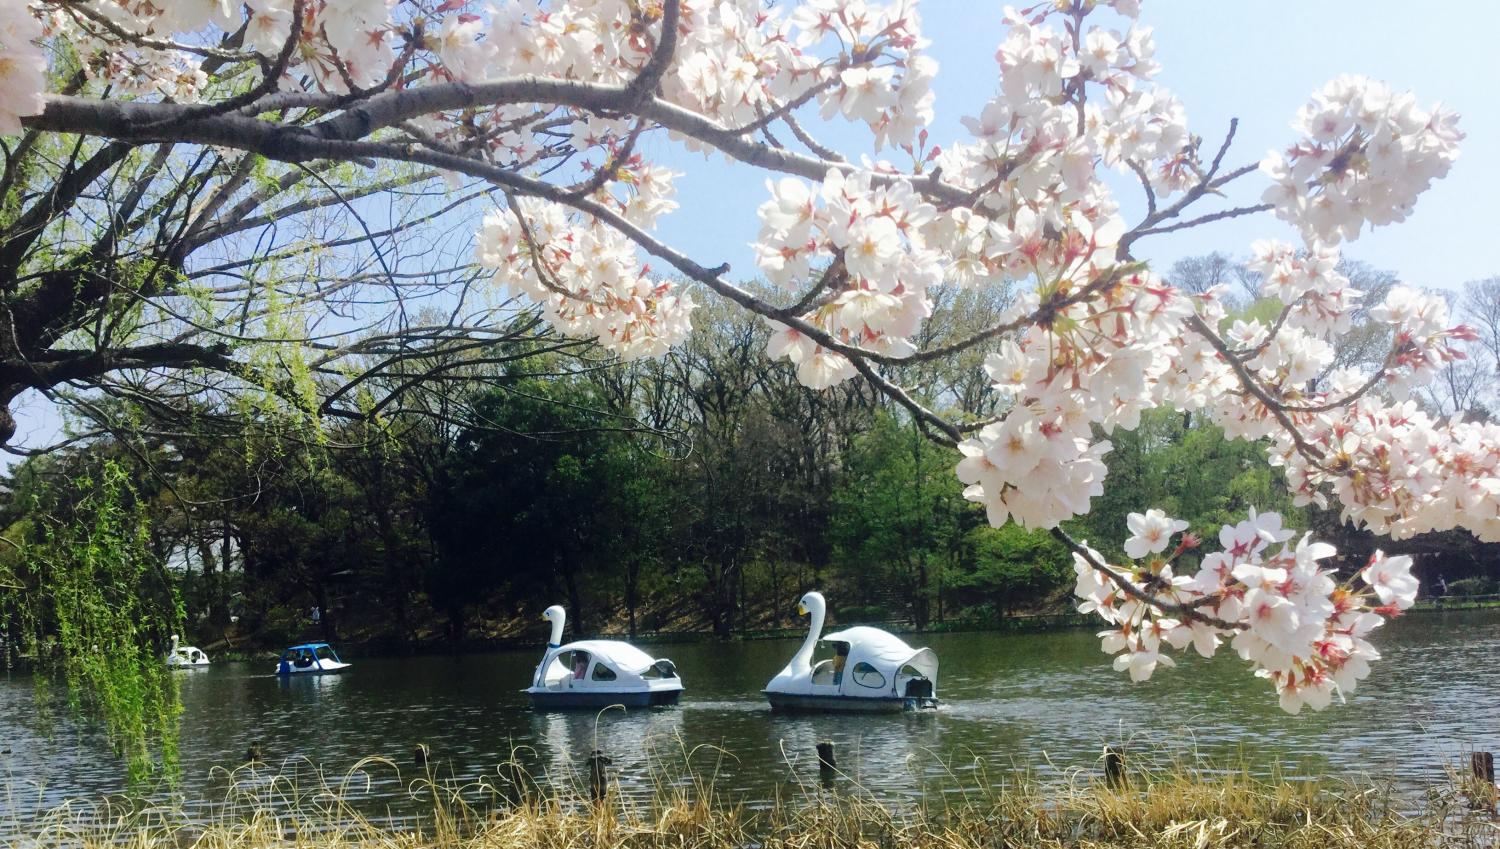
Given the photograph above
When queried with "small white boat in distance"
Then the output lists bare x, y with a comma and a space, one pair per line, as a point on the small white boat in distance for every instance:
310, 659
185, 657
871, 670
599, 673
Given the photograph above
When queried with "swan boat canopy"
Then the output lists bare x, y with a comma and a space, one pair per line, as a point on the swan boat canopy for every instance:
872, 670
310, 659
185, 657
599, 673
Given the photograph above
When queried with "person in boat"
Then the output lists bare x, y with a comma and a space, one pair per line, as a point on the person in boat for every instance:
840, 657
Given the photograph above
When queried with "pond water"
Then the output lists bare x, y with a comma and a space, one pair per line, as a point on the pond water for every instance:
1045, 702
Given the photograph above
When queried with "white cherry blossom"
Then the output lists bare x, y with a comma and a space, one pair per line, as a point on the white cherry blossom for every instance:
1151, 532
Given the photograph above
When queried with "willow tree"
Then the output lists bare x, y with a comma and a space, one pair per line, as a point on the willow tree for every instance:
547, 105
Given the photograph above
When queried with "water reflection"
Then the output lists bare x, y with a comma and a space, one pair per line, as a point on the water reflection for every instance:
1045, 702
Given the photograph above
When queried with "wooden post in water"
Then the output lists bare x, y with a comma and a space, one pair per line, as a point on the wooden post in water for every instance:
598, 776
255, 754
1114, 768
421, 755
827, 765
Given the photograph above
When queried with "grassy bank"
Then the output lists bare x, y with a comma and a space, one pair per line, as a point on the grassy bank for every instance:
1177, 808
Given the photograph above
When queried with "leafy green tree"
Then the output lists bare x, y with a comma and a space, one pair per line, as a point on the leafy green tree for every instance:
517, 508
1187, 468
94, 602
898, 516
1008, 566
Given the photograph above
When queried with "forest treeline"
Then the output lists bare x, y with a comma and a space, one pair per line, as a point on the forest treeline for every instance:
698, 492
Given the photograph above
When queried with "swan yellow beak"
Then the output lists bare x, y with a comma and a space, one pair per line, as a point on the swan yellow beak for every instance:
801, 609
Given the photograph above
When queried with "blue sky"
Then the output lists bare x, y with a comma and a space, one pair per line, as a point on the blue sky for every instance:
1257, 60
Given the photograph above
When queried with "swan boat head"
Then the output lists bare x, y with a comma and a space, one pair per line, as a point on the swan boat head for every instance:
797, 673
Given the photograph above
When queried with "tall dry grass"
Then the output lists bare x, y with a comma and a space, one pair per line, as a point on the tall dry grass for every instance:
1168, 807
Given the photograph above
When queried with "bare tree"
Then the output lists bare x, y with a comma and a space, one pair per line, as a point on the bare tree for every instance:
1200, 273
1481, 307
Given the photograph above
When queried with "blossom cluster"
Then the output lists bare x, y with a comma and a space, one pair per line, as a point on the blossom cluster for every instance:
23, 67
1365, 155
149, 46
1270, 597
586, 277
1042, 213
1097, 362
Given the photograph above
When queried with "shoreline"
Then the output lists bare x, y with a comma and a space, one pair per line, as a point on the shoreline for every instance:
1017, 624
394, 647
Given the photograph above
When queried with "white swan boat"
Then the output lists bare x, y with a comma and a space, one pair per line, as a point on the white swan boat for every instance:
310, 659
185, 657
871, 670
599, 673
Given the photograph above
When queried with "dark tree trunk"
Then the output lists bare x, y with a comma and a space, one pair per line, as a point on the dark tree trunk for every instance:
632, 582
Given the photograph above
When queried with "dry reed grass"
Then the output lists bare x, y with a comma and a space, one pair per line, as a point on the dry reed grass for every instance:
1165, 807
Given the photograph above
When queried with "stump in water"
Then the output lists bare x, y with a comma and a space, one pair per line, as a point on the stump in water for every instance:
256, 753
1482, 792
1483, 766
421, 755
825, 756
828, 768
598, 777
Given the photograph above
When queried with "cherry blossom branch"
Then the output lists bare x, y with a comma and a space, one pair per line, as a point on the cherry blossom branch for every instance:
711, 278
827, 154
271, 72
1190, 611
1364, 389
1044, 314
611, 170
133, 120
1147, 226
645, 84
1204, 219
835, 274
1281, 317
165, 45
765, 119
1251, 385
950, 432
1140, 172
534, 251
